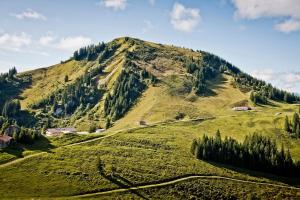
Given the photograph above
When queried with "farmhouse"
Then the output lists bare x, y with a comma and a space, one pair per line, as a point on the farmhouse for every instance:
241, 108
5, 141
59, 131
142, 123
100, 130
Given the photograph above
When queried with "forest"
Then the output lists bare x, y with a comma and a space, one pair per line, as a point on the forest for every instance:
292, 127
261, 91
256, 152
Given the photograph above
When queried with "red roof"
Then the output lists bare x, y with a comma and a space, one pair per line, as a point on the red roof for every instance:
5, 138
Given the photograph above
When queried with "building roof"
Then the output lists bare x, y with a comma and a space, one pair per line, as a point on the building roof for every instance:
60, 130
242, 108
5, 138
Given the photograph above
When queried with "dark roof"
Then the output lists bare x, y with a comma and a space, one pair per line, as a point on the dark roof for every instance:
5, 138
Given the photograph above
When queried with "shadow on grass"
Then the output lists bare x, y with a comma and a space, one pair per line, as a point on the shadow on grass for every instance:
257, 174
41, 145
122, 183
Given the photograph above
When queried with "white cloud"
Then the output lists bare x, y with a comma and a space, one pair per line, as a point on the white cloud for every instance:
73, 43
255, 9
148, 26
66, 44
265, 74
288, 26
292, 78
184, 19
114, 4
46, 40
30, 14
14, 41
289, 81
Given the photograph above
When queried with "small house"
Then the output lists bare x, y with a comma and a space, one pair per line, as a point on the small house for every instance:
100, 130
241, 108
59, 131
142, 123
5, 141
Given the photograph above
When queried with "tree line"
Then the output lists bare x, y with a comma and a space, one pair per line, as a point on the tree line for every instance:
261, 91
256, 152
293, 126
100, 51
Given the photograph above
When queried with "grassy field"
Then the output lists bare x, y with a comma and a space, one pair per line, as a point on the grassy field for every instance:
205, 189
42, 145
140, 156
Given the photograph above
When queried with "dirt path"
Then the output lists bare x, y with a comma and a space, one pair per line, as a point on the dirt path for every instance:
178, 180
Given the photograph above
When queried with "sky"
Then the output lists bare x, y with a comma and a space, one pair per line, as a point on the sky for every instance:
261, 37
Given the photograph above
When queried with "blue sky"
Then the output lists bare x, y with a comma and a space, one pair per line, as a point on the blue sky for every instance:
262, 37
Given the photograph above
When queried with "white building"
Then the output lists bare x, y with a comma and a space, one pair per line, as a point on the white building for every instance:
241, 108
59, 131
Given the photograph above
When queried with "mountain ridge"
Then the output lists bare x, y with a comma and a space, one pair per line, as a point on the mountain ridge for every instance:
94, 79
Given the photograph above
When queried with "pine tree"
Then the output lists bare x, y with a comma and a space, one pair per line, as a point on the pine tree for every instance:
193, 147
108, 124
295, 123
66, 78
287, 124
298, 131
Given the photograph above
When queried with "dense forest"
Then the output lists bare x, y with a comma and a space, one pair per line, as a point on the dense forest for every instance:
256, 152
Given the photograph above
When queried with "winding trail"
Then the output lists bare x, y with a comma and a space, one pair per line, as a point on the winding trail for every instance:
109, 134
182, 179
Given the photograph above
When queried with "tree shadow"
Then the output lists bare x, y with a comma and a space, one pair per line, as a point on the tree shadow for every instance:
215, 84
42, 145
117, 179
287, 180
122, 183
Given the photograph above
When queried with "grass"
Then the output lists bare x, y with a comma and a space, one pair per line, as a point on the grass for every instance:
42, 145
139, 156
206, 189
47, 80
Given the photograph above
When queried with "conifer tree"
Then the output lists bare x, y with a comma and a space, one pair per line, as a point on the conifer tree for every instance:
287, 124
297, 132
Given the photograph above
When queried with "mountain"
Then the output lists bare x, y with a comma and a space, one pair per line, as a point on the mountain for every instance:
172, 128
131, 80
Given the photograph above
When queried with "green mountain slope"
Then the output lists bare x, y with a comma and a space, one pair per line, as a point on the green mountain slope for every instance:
155, 82
159, 99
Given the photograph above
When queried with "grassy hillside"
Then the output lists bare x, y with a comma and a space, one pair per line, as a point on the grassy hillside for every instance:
128, 154
141, 156
47, 80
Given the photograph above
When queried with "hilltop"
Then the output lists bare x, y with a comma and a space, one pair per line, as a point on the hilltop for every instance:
167, 82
